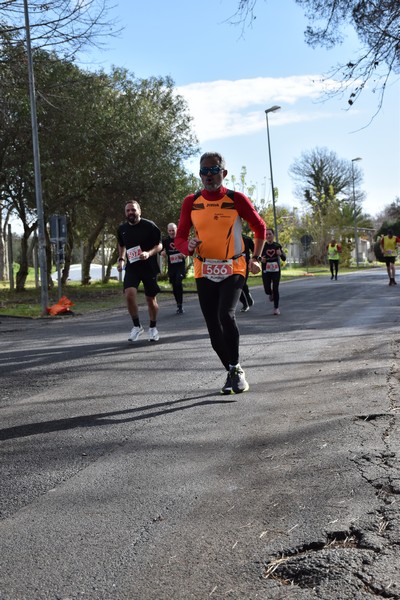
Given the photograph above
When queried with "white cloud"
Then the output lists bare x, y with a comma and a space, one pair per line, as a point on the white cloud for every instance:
223, 108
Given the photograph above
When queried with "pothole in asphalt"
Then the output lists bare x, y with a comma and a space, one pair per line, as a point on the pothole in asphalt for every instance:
343, 564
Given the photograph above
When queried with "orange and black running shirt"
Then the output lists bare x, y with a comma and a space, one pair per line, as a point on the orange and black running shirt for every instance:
216, 218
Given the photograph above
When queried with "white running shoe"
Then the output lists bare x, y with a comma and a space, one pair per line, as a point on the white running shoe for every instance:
227, 387
136, 332
238, 380
153, 334
277, 311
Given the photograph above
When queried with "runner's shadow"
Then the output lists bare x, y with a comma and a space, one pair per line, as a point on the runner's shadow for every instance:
109, 418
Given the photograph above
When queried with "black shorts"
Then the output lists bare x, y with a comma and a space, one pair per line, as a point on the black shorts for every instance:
132, 279
390, 260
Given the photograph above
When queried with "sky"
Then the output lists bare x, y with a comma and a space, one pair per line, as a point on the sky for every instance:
229, 76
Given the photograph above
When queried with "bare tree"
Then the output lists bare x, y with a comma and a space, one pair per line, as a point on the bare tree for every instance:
65, 25
390, 213
377, 24
322, 177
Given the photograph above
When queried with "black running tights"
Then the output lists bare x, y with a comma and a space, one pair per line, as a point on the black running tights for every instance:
334, 267
271, 285
176, 280
218, 304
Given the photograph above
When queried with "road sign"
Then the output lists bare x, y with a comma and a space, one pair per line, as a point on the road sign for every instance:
58, 229
306, 240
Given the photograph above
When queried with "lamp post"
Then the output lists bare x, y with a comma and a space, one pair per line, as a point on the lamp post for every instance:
353, 160
268, 110
36, 162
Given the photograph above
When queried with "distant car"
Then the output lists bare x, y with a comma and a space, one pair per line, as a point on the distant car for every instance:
75, 273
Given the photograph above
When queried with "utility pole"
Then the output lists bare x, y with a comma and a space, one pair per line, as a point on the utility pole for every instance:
44, 296
269, 110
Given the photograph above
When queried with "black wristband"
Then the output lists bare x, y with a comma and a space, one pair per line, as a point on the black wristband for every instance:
119, 260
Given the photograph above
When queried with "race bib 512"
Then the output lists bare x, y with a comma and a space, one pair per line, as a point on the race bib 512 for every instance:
134, 253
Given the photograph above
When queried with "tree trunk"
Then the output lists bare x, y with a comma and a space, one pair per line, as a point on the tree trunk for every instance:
91, 248
111, 262
69, 246
23, 261
2, 250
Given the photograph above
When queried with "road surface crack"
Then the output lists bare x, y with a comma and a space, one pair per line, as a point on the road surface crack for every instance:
345, 559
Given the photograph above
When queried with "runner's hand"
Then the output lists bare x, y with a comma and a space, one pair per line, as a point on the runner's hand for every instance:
254, 266
193, 244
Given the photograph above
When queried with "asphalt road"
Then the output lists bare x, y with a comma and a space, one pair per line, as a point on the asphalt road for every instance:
125, 475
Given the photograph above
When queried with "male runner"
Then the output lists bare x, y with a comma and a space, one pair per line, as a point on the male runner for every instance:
216, 215
139, 242
176, 266
333, 251
389, 250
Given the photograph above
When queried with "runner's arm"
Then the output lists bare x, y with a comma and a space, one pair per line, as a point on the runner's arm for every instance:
184, 226
247, 212
145, 254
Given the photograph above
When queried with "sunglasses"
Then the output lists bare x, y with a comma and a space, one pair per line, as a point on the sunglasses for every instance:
213, 170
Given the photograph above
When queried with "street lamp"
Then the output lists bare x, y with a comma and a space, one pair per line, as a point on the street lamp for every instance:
268, 110
353, 160
36, 162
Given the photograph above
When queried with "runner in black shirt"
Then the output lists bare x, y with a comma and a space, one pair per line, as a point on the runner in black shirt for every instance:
176, 266
271, 257
139, 242
246, 298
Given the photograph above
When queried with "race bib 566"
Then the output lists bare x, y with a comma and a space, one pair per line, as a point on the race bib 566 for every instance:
217, 270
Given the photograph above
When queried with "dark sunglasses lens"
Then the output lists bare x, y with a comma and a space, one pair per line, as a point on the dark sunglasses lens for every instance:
212, 170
